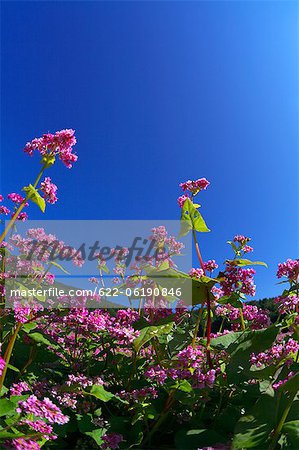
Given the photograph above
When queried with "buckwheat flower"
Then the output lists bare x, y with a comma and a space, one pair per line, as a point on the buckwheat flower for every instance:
210, 265
282, 382
196, 273
288, 304
159, 234
217, 292
247, 249
4, 210
279, 352
22, 216
16, 198
289, 269
41, 427
195, 186
237, 278
2, 365
157, 374
93, 280
59, 144
49, 190
174, 247
25, 444
19, 388
182, 199
111, 441
241, 239
45, 409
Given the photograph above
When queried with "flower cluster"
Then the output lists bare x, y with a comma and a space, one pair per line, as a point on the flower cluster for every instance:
289, 269
45, 409
238, 279
195, 186
49, 190
282, 351
287, 304
61, 144
256, 317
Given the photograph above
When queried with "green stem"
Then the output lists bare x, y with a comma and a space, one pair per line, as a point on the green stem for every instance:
208, 302
243, 326
277, 431
8, 352
197, 327
20, 208
161, 419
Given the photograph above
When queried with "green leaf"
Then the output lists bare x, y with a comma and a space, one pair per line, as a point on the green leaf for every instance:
97, 435
291, 430
233, 299
226, 340
29, 326
253, 429
191, 219
193, 290
254, 341
99, 392
7, 408
194, 439
245, 262
4, 434
292, 385
39, 338
104, 268
54, 263
35, 197
15, 369
234, 247
147, 333
183, 386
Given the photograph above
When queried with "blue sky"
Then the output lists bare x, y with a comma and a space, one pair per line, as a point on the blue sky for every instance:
161, 92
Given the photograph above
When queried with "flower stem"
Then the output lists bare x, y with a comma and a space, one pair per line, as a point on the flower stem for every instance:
243, 326
197, 326
280, 424
16, 214
8, 352
208, 302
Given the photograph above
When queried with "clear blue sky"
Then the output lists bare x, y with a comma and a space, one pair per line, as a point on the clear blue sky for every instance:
159, 93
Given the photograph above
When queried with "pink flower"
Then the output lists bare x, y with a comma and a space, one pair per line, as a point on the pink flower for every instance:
61, 144
49, 190
289, 269
112, 441
22, 216
16, 198
41, 427
287, 304
45, 409
19, 388
196, 273
2, 365
238, 279
1, 198
210, 265
195, 186
4, 210
182, 199
280, 351
25, 444
241, 239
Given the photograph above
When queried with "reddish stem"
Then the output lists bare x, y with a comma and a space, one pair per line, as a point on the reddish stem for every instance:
208, 301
